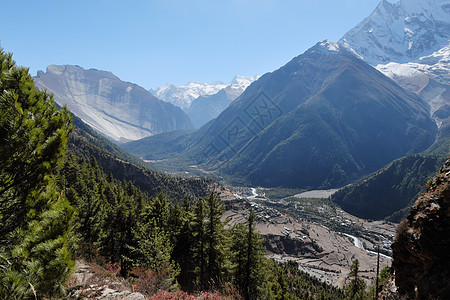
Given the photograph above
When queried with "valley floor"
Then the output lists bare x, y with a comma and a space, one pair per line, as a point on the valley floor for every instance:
314, 232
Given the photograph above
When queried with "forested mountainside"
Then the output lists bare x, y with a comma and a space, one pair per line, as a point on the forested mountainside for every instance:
160, 146
389, 192
86, 143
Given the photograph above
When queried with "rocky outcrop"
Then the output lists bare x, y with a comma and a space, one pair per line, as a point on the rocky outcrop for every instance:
422, 245
93, 282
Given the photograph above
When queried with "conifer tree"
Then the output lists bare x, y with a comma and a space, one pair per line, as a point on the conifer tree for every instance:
159, 210
248, 258
239, 252
89, 209
183, 241
34, 215
355, 289
153, 245
199, 245
216, 241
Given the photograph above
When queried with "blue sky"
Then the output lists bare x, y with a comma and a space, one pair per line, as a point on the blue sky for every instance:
173, 41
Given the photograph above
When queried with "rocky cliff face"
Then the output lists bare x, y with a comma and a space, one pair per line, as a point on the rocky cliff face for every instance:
119, 110
422, 245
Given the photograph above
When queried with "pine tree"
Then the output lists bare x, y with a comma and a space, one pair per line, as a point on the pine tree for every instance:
89, 209
216, 241
199, 245
355, 289
153, 245
248, 258
35, 217
159, 210
239, 253
184, 244
255, 254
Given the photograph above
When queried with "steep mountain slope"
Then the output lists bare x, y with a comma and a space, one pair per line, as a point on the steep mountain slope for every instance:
408, 42
400, 32
389, 191
159, 146
355, 123
323, 119
422, 244
85, 143
119, 110
429, 77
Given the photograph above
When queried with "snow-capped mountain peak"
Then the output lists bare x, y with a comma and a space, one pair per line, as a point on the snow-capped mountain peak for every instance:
400, 32
242, 82
325, 47
184, 95
330, 46
409, 41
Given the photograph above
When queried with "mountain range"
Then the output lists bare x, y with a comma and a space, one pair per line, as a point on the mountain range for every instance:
184, 95
202, 101
206, 108
326, 118
119, 110
406, 41
314, 123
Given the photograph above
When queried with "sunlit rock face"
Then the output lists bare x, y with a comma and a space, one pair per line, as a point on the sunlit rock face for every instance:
119, 110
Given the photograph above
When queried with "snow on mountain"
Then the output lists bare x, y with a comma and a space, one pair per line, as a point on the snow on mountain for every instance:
329, 46
429, 77
415, 75
409, 41
326, 47
119, 110
242, 82
400, 32
206, 108
184, 95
